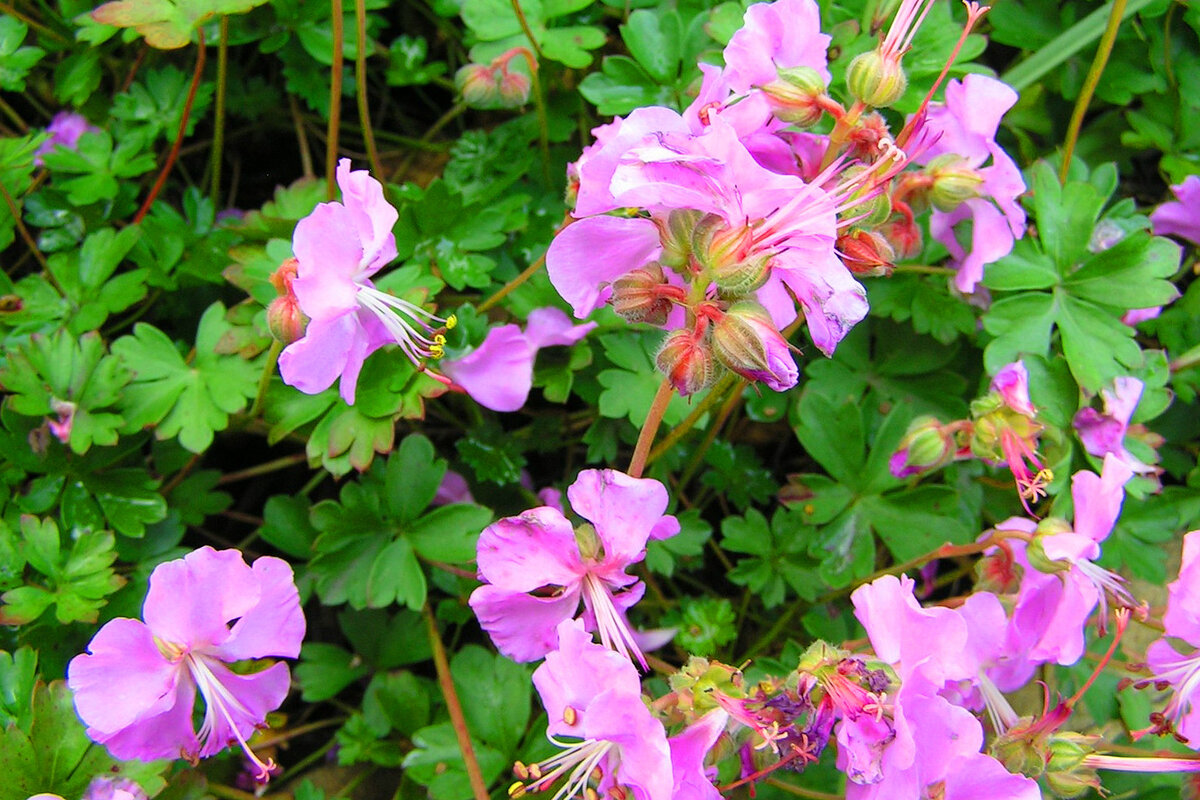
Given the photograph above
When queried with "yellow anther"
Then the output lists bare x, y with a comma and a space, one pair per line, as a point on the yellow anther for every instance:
451, 321
516, 790
591, 794
437, 351
535, 771
521, 771
1045, 474
439, 339
570, 715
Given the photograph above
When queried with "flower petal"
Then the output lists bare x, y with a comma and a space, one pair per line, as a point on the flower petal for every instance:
499, 373
624, 510
240, 701
273, 627
530, 551
329, 254
192, 599
522, 626
593, 252
123, 678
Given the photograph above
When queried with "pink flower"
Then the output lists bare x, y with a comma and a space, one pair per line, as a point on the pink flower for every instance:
499, 373
339, 247
966, 126
1012, 384
136, 686
688, 751
65, 130
594, 695
783, 34
1102, 434
1166, 662
1054, 605
1180, 217
537, 569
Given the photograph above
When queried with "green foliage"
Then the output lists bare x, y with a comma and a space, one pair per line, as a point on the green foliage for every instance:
496, 26
1056, 283
16, 59
99, 167
167, 24
189, 400
705, 625
777, 555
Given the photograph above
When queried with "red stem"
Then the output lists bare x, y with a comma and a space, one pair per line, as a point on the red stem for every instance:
183, 121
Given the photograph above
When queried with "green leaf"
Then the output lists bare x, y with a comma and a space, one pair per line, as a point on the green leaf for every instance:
1027, 267
15, 60
396, 576
436, 763
449, 533
18, 675
397, 701
622, 85
99, 166
831, 435
1130, 274
167, 24
705, 625
492, 454
287, 527
413, 476
495, 694
778, 555
654, 40
324, 670
191, 402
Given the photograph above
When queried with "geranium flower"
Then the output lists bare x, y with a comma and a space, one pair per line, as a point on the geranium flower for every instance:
537, 569
689, 748
65, 130
594, 696
135, 688
965, 125
339, 246
1102, 434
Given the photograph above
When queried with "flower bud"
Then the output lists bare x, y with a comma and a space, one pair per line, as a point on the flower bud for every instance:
876, 79
866, 253
926, 446
905, 238
1035, 551
687, 361
676, 237
1066, 772
1019, 752
746, 341
735, 280
795, 95
637, 295
478, 85
954, 181
866, 206
716, 244
514, 89
285, 320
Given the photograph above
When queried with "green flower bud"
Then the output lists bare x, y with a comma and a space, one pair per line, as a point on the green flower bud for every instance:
735, 280
676, 237
1020, 753
954, 181
876, 79
717, 245
795, 95
1036, 552
514, 88
478, 85
637, 295
1065, 771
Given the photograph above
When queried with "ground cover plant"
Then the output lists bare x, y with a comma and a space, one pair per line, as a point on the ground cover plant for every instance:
643, 400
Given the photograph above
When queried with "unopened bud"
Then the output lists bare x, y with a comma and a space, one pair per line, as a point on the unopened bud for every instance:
588, 542
954, 181
876, 79
1020, 753
637, 295
905, 238
676, 237
1066, 771
868, 205
735, 280
866, 253
746, 340
926, 446
795, 95
717, 244
687, 361
478, 85
1035, 551
285, 320
514, 89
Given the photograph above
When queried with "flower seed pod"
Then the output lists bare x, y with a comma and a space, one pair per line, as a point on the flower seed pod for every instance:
736, 280
954, 181
876, 79
687, 360
866, 253
746, 341
676, 237
637, 295
795, 96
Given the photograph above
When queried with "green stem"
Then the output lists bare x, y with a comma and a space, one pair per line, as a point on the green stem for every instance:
1189, 360
360, 78
924, 269
335, 102
183, 121
264, 380
714, 396
454, 707
710, 435
263, 469
14, 116
654, 416
1089, 85
218, 142
27, 236
306, 162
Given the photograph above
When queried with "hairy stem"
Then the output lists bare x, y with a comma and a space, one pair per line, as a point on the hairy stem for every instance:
650, 427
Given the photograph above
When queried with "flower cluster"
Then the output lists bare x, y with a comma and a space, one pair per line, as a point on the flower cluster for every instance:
725, 222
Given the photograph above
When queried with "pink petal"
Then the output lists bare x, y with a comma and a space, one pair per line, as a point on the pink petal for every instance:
499, 373
833, 301
253, 697
1181, 218
192, 599
530, 551
522, 626
547, 327
327, 278
591, 253
123, 678
1098, 499
168, 735
576, 673
372, 215
786, 33
275, 625
645, 756
596, 167
624, 510
933, 640
689, 748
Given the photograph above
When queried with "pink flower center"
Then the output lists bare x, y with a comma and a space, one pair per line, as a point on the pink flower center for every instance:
409, 324
577, 761
220, 703
610, 623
